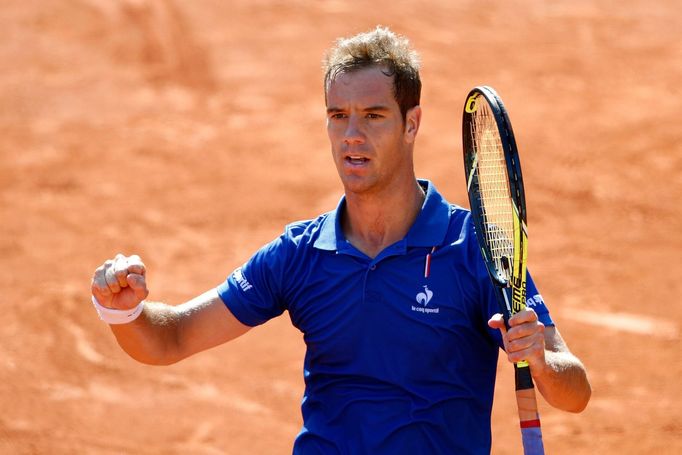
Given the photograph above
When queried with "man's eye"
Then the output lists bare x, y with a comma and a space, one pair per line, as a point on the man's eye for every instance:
370, 115
338, 115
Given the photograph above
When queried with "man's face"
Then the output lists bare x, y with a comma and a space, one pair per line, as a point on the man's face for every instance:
371, 145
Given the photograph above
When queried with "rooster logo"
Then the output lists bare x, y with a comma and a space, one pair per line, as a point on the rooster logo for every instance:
425, 297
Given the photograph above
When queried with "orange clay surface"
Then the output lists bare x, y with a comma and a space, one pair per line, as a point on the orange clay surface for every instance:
192, 132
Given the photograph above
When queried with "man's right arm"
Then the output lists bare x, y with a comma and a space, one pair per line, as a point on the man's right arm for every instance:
162, 334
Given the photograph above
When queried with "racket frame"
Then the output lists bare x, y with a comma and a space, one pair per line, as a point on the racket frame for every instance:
516, 189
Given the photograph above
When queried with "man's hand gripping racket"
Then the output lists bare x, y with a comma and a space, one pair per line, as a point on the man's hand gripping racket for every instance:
498, 208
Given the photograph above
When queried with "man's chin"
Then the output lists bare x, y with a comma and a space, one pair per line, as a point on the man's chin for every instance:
357, 184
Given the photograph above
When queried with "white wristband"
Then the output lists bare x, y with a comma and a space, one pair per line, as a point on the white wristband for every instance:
112, 316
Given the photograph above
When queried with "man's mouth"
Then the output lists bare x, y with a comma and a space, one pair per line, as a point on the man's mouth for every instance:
356, 160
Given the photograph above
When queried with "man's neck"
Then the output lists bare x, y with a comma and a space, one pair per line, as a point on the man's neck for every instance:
373, 222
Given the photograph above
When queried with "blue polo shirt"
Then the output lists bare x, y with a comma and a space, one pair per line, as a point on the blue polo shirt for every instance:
400, 358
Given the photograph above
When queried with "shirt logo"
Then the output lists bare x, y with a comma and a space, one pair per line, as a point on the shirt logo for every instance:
241, 280
425, 297
535, 301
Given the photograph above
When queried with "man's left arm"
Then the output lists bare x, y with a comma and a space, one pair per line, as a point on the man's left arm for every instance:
559, 375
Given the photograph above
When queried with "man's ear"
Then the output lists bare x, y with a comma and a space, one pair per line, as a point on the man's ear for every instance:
413, 118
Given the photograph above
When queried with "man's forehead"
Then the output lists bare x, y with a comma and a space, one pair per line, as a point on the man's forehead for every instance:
369, 83
375, 71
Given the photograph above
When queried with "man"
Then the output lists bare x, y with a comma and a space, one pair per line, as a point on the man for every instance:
394, 302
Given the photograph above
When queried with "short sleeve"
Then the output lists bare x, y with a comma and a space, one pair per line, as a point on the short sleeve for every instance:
254, 291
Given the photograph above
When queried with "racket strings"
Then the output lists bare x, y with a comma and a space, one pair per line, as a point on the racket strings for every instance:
492, 176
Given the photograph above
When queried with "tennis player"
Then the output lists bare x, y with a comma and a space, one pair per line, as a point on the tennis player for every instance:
395, 305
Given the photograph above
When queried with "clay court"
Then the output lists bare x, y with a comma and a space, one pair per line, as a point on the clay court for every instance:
190, 133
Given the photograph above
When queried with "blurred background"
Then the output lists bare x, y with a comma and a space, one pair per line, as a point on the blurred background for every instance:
190, 133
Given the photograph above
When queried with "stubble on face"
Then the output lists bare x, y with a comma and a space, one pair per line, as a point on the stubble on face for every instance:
366, 131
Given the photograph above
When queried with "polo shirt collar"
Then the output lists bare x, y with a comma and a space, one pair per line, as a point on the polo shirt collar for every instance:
429, 229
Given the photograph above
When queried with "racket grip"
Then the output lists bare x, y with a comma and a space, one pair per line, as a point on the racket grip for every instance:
531, 433
531, 438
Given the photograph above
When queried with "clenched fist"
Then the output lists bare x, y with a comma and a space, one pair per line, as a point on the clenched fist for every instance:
120, 283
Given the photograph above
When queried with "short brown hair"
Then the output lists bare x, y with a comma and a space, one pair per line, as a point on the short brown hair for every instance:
379, 47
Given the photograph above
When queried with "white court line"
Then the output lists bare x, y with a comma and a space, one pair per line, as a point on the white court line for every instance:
625, 322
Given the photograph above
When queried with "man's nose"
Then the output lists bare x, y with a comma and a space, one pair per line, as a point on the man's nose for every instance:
354, 131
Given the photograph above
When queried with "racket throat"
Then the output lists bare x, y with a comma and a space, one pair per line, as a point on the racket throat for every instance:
506, 301
522, 377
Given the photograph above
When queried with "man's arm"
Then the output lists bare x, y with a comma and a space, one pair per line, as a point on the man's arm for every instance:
559, 375
162, 334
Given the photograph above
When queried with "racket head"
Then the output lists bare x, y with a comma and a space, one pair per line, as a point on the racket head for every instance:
495, 188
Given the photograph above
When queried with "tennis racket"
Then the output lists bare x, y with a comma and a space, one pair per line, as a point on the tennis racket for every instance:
498, 209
